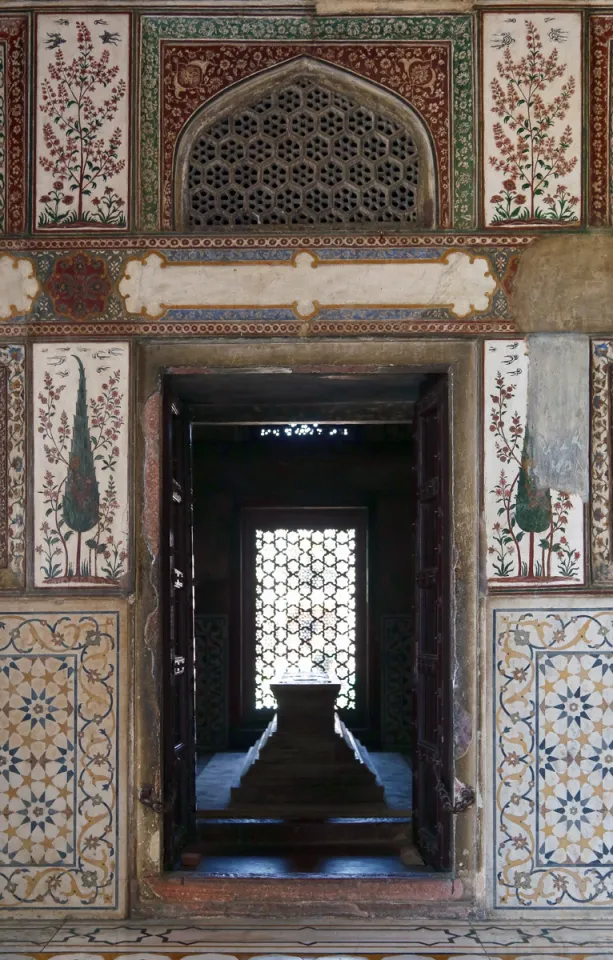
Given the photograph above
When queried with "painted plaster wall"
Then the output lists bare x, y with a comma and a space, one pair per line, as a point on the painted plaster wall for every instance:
89, 261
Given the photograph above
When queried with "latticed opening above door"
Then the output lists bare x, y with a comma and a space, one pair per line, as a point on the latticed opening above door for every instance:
304, 152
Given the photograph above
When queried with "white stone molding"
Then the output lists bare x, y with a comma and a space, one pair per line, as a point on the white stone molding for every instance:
152, 285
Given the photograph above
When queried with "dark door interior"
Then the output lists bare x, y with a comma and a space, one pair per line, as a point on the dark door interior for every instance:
394, 469
366, 471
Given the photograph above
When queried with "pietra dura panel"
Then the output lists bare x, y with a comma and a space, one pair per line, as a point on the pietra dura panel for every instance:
552, 777
62, 786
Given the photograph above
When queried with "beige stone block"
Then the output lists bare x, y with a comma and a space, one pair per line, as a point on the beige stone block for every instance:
565, 283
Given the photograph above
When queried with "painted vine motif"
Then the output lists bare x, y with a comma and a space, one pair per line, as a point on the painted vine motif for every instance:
534, 175
600, 183
533, 535
14, 119
83, 103
82, 535
601, 481
13, 471
3, 126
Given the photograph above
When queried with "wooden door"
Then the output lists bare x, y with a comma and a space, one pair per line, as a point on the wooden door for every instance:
433, 763
177, 603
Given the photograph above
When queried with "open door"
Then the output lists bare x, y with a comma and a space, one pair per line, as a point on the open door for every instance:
433, 761
177, 602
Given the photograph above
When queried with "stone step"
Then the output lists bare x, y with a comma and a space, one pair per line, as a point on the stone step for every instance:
228, 834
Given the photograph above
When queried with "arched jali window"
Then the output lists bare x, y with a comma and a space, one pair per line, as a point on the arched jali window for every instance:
302, 146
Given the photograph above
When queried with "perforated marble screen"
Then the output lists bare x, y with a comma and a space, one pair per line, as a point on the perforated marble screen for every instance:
305, 607
302, 155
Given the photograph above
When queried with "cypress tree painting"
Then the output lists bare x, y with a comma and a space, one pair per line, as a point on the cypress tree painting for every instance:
81, 464
533, 506
534, 536
81, 496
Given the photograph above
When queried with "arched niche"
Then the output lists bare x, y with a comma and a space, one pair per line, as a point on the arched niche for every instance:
303, 147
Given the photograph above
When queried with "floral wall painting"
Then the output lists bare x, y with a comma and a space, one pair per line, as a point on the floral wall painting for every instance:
532, 119
82, 119
534, 537
81, 525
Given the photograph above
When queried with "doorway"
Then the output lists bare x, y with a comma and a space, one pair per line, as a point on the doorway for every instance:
306, 522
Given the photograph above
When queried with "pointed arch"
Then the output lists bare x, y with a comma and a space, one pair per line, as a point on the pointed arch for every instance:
302, 146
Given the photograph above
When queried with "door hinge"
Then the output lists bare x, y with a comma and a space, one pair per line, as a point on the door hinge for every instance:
178, 666
149, 799
464, 797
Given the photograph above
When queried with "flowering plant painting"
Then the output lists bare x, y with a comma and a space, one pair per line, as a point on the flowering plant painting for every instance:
83, 101
533, 535
533, 152
80, 466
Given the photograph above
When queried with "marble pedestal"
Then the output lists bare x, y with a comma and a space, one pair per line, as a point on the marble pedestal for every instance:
307, 763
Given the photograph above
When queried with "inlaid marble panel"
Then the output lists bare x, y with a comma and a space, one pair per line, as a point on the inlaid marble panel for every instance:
552, 799
358, 940
81, 454
62, 760
439, 283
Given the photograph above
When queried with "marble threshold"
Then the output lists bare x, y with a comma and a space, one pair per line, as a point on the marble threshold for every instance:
355, 939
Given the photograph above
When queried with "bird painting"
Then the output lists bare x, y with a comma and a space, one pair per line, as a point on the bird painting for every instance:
108, 37
54, 40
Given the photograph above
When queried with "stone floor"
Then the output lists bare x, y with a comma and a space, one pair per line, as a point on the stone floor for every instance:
345, 940
219, 773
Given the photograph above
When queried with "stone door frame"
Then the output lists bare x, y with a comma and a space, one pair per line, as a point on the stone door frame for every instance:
164, 894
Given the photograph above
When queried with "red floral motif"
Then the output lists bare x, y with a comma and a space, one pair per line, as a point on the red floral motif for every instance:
79, 286
14, 34
601, 37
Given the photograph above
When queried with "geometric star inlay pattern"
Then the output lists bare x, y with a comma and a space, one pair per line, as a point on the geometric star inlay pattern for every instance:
553, 725
60, 758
